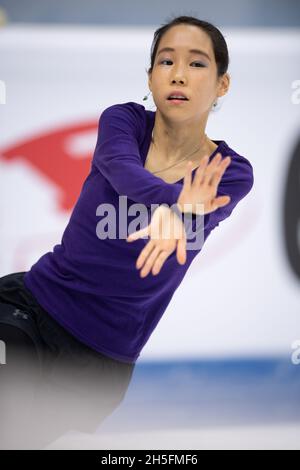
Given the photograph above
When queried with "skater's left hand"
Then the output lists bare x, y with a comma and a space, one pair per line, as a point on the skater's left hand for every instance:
167, 233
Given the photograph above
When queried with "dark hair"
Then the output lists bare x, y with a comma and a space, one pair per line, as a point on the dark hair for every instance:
217, 38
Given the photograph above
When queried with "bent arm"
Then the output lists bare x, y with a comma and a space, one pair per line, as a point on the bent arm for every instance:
117, 157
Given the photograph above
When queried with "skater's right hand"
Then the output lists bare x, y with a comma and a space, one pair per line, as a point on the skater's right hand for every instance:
167, 234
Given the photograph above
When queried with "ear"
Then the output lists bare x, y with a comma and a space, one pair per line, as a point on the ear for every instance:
149, 80
224, 83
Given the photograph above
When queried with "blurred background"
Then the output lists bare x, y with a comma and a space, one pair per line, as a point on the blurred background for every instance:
222, 368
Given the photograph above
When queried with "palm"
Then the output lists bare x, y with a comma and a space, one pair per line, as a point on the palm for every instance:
167, 234
199, 196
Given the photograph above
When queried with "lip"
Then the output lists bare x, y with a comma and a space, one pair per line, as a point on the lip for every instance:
177, 101
177, 92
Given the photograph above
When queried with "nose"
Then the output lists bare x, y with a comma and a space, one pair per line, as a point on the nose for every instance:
176, 80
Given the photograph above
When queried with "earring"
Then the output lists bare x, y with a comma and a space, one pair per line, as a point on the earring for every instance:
146, 96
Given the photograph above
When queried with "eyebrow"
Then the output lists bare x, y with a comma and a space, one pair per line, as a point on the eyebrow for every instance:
195, 51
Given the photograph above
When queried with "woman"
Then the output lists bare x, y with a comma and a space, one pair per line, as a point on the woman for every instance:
85, 311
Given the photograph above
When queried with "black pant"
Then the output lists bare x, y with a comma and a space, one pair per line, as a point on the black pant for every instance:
49, 381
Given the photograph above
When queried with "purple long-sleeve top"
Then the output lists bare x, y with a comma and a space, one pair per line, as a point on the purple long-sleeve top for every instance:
90, 284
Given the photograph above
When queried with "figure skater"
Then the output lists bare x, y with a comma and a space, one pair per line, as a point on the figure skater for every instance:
76, 322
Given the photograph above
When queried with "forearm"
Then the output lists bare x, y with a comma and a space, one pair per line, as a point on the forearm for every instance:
128, 177
117, 157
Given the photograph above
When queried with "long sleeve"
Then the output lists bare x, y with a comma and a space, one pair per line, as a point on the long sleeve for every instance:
236, 182
117, 157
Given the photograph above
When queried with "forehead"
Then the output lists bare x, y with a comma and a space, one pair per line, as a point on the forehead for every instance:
185, 37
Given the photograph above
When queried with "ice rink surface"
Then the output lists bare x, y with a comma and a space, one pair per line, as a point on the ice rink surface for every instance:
211, 404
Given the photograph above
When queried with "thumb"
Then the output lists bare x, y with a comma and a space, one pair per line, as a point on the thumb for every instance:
181, 251
222, 201
138, 234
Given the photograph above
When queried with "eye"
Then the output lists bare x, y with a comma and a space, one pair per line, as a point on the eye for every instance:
198, 63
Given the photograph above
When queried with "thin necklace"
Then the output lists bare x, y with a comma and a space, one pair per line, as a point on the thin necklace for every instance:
154, 172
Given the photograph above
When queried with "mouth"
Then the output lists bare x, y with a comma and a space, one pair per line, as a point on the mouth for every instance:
177, 97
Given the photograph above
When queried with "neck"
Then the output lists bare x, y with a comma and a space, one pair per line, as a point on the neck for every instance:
178, 140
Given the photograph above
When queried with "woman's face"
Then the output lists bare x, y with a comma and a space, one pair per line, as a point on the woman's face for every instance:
193, 73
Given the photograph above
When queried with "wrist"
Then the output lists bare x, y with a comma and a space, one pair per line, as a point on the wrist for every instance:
181, 213
185, 209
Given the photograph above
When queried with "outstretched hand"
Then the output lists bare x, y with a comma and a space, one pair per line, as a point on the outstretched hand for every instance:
166, 229
203, 188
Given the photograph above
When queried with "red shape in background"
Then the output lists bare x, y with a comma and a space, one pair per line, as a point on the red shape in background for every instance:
47, 154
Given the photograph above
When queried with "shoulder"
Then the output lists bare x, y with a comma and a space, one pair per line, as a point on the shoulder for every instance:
129, 110
239, 174
127, 117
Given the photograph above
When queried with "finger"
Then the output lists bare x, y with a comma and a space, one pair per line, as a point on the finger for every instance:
144, 254
215, 161
218, 202
181, 251
224, 164
200, 170
159, 262
211, 168
150, 261
219, 172
222, 201
187, 181
138, 234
